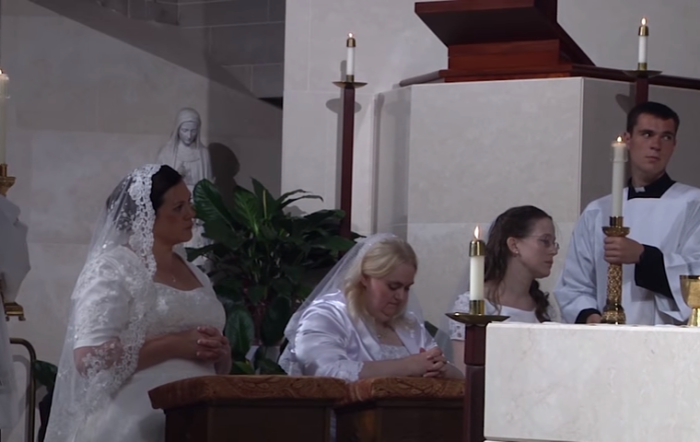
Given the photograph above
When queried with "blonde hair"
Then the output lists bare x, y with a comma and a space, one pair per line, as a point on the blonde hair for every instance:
378, 261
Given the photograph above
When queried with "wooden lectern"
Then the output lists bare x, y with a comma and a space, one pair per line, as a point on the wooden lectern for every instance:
517, 39
248, 408
401, 410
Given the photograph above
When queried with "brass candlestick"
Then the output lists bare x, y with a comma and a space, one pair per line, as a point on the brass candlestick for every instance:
690, 288
613, 313
477, 308
6, 181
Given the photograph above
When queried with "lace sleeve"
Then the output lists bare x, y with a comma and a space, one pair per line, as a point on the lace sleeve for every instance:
461, 305
101, 314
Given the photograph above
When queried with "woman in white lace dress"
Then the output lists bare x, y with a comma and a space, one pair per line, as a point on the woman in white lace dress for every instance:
141, 316
520, 249
356, 323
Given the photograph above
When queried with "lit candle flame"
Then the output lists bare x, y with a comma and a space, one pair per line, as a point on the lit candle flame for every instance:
644, 21
350, 35
476, 232
619, 139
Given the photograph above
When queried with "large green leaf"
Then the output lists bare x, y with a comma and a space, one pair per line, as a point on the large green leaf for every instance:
303, 197
270, 206
247, 209
335, 243
256, 294
209, 205
193, 254
275, 320
229, 288
268, 366
242, 368
239, 330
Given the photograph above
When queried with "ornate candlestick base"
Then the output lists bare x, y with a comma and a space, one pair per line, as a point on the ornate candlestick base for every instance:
14, 310
476, 315
5, 181
613, 313
690, 288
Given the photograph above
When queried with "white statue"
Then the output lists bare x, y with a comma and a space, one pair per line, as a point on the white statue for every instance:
186, 153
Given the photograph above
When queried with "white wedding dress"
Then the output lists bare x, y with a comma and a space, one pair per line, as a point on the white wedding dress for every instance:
129, 416
116, 307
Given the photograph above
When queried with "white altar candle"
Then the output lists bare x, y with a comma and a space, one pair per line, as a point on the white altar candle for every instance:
643, 37
476, 267
4, 80
350, 43
619, 158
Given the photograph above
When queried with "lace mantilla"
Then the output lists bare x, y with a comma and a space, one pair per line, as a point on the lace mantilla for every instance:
109, 312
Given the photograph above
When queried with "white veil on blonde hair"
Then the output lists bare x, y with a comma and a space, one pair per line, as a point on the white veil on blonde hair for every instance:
333, 282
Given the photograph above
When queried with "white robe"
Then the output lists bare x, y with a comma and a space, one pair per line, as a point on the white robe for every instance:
330, 344
14, 266
671, 223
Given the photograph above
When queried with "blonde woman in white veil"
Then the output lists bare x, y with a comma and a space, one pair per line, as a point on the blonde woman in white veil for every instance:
141, 316
359, 323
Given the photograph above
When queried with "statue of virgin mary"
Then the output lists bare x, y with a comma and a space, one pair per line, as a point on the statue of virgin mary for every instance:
186, 153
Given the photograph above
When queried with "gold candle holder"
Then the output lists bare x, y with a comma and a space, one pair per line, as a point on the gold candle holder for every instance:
690, 289
6, 181
477, 307
613, 313
12, 309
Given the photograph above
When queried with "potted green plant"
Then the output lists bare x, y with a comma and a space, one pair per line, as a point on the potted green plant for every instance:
262, 261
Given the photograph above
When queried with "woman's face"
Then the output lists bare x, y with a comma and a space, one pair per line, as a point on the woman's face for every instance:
188, 132
174, 218
386, 297
537, 251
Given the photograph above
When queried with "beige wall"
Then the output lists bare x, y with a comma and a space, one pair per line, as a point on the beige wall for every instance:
84, 110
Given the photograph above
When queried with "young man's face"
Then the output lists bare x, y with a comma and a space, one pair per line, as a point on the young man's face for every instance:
651, 145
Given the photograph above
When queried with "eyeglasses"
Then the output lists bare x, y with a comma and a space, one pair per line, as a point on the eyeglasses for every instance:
548, 243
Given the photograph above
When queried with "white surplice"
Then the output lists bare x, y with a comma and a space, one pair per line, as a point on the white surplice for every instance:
670, 223
331, 344
14, 266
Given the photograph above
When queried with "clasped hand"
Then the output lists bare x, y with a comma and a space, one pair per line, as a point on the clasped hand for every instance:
206, 344
429, 363
622, 250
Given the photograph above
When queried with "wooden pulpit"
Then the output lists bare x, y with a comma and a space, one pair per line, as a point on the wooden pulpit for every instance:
248, 408
518, 39
401, 410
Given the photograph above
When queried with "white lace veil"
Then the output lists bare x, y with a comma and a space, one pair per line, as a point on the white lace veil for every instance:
333, 282
125, 228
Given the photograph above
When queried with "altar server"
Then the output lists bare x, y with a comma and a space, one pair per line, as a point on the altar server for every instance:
664, 240
14, 266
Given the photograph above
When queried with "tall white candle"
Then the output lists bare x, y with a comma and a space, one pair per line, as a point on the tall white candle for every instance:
619, 158
4, 83
476, 267
643, 37
350, 43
